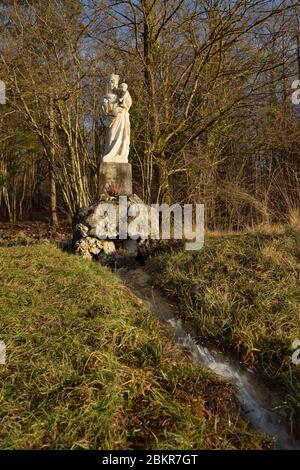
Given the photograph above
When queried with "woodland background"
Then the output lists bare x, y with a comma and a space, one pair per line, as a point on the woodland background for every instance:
212, 119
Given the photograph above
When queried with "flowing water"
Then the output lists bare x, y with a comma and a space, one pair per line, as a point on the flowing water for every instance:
257, 401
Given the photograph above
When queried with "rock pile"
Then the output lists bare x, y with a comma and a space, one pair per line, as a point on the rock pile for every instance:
88, 224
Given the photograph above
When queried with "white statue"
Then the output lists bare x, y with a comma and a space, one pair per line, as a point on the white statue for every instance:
115, 107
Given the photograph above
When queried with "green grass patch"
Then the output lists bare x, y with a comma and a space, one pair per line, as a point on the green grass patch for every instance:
88, 367
242, 292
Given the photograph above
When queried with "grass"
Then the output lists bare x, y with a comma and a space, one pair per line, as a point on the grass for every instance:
89, 368
242, 292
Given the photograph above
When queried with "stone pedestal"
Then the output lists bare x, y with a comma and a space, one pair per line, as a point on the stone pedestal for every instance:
118, 173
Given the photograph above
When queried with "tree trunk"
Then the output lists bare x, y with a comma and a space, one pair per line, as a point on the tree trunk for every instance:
52, 182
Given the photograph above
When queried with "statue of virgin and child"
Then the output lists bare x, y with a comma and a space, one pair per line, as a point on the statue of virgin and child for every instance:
115, 116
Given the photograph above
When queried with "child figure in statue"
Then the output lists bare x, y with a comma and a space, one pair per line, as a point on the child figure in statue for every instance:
125, 100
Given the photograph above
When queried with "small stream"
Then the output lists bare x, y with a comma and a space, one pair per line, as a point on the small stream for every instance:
257, 401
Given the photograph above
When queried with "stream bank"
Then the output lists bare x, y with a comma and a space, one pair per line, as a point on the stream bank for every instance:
257, 401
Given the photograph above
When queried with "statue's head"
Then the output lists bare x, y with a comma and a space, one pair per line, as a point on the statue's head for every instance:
113, 81
123, 87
